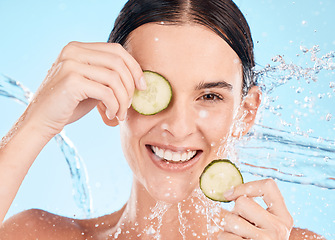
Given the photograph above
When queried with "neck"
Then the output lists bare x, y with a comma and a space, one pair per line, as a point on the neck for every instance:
146, 218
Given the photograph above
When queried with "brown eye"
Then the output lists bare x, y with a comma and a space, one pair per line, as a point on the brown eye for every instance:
211, 97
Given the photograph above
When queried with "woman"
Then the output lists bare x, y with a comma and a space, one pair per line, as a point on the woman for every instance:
205, 50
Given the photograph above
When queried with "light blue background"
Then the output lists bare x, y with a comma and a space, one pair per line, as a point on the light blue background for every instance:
34, 32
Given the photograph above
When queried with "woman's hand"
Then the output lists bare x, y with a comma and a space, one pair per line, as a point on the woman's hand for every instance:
248, 220
83, 76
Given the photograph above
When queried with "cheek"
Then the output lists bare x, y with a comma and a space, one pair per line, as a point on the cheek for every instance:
216, 126
135, 125
131, 131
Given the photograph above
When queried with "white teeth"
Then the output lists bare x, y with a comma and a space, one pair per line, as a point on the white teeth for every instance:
184, 156
190, 154
176, 157
173, 156
168, 155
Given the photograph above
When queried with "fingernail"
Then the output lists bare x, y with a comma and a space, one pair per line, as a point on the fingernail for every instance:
109, 116
119, 119
229, 193
143, 84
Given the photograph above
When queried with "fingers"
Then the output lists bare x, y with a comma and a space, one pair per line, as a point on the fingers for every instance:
109, 55
268, 190
250, 220
228, 236
89, 90
104, 63
261, 218
254, 213
239, 226
108, 78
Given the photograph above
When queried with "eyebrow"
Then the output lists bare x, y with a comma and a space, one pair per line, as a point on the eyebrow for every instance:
220, 84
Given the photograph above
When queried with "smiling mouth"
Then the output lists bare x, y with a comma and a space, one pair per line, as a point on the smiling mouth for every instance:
172, 156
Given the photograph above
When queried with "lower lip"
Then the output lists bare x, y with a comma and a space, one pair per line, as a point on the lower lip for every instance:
173, 166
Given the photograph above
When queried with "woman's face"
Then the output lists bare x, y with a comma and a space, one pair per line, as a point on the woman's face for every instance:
206, 79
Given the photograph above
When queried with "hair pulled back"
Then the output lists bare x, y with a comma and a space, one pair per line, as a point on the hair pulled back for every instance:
221, 16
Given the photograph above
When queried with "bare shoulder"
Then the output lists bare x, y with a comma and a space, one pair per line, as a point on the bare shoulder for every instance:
304, 234
100, 227
39, 224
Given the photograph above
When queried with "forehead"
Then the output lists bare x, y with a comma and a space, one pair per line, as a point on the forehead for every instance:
185, 50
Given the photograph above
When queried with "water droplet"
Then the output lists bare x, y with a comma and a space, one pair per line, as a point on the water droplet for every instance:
307, 99
203, 114
151, 231
299, 90
118, 232
304, 49
310, 131
329, 117
277, 59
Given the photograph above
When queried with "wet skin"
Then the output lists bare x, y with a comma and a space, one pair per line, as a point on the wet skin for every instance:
206, 79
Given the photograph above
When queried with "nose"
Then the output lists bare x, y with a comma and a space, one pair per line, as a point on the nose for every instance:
179, 120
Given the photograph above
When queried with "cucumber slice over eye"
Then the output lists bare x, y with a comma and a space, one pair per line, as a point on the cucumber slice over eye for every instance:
155, 98
218, 177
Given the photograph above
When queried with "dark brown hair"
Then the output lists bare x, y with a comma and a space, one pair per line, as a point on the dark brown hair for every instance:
221, 16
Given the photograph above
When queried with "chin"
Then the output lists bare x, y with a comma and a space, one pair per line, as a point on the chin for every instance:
171, 193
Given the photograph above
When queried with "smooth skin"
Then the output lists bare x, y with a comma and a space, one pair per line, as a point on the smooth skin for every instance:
104, 75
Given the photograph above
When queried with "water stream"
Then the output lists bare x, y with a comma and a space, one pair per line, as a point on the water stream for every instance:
81, 190
294, 137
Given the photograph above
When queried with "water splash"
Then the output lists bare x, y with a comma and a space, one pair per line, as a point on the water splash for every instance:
14, 90
157, 213
270, 152
299, 146
182, 222
294, 149
212, 210
81, 191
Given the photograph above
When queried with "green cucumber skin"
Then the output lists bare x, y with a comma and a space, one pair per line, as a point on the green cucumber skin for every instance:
210, 165
161, 109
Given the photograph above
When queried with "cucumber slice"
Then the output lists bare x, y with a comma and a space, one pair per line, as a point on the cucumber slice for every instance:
155, 98
218, 177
